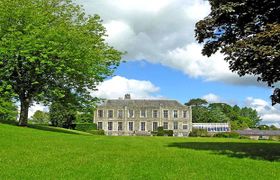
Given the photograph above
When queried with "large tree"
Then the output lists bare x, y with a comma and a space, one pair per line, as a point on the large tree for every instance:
247, 32
49, 48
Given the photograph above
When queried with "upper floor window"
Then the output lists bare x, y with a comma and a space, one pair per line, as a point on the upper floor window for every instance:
120, 114
155, 113
175, 114
165, 113
100, 113
110, 113
130, 113
185, 114
143, 113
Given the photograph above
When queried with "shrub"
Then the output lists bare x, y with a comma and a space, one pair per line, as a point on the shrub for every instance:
199, 133
161, 132
228, 135
85, 127
96, 132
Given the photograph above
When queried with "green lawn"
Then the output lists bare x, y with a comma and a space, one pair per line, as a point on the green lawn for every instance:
28, 153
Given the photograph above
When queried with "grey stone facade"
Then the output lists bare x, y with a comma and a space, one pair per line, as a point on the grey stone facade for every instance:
140, 117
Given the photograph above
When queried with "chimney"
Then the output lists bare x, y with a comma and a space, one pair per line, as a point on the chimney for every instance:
127, 96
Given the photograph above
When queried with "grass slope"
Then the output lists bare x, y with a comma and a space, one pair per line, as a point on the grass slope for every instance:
27, 153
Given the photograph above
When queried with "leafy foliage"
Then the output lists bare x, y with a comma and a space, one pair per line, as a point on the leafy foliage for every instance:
62, 115
50, 48
40, 117
239, 118
85, 126
248, 34
8, 110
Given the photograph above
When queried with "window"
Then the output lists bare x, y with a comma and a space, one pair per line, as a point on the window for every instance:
130, 126
175, 125
175, 114
185, 126
165, 125
130, 113
185, 114
120, 126
165, 113
143, 113
110, 126
120, 114
100, 113
143, 124
110, 113
155, 113
155, 126
99, 125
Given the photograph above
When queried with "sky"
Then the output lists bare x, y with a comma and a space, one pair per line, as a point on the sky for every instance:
164, 61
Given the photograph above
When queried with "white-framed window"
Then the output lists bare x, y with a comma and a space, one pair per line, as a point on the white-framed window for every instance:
120, 114
175, 113
155, 126
110, 126
100, 113
110, 113
120, 125
131, 113
165, 113
185, 126
143, 113
130, 126
175, 125
165, 125
185, 114
143, 126
155, 113
99, 125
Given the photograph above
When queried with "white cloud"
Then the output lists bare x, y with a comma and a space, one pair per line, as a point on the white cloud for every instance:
269, 114
162, 31
118, 86
211, 98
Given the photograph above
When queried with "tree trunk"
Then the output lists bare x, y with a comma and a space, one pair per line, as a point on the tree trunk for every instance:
24, 106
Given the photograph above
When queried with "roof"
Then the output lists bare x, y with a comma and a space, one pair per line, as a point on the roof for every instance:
140, 103
256, 132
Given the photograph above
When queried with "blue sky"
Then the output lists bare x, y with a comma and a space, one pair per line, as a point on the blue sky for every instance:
163, 59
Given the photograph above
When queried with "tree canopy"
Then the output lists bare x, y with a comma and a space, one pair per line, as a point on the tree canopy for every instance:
49, 48
239, 118
248, 34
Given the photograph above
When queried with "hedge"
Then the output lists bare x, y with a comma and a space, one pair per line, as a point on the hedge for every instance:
85, 126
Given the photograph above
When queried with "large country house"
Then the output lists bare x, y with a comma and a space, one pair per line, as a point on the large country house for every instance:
140, 117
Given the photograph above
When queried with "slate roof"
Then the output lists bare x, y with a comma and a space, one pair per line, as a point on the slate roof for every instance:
256, 132
140, 103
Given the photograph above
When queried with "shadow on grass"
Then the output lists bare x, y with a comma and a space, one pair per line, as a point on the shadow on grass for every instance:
44, 127
259, 150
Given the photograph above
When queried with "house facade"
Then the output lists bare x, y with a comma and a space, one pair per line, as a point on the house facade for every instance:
140, 117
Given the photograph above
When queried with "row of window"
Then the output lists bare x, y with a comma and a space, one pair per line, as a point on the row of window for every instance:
143, 113
215, 129
142, 126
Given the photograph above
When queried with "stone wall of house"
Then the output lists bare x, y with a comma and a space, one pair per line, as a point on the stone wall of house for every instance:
149, 120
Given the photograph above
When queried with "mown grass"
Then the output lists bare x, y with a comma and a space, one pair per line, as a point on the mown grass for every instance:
27, 153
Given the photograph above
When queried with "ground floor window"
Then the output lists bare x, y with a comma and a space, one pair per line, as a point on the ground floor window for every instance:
130, 126
185, 126
155, 126
165, 125
110, 126
120, 126
143, 126
175, 125
99, 125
